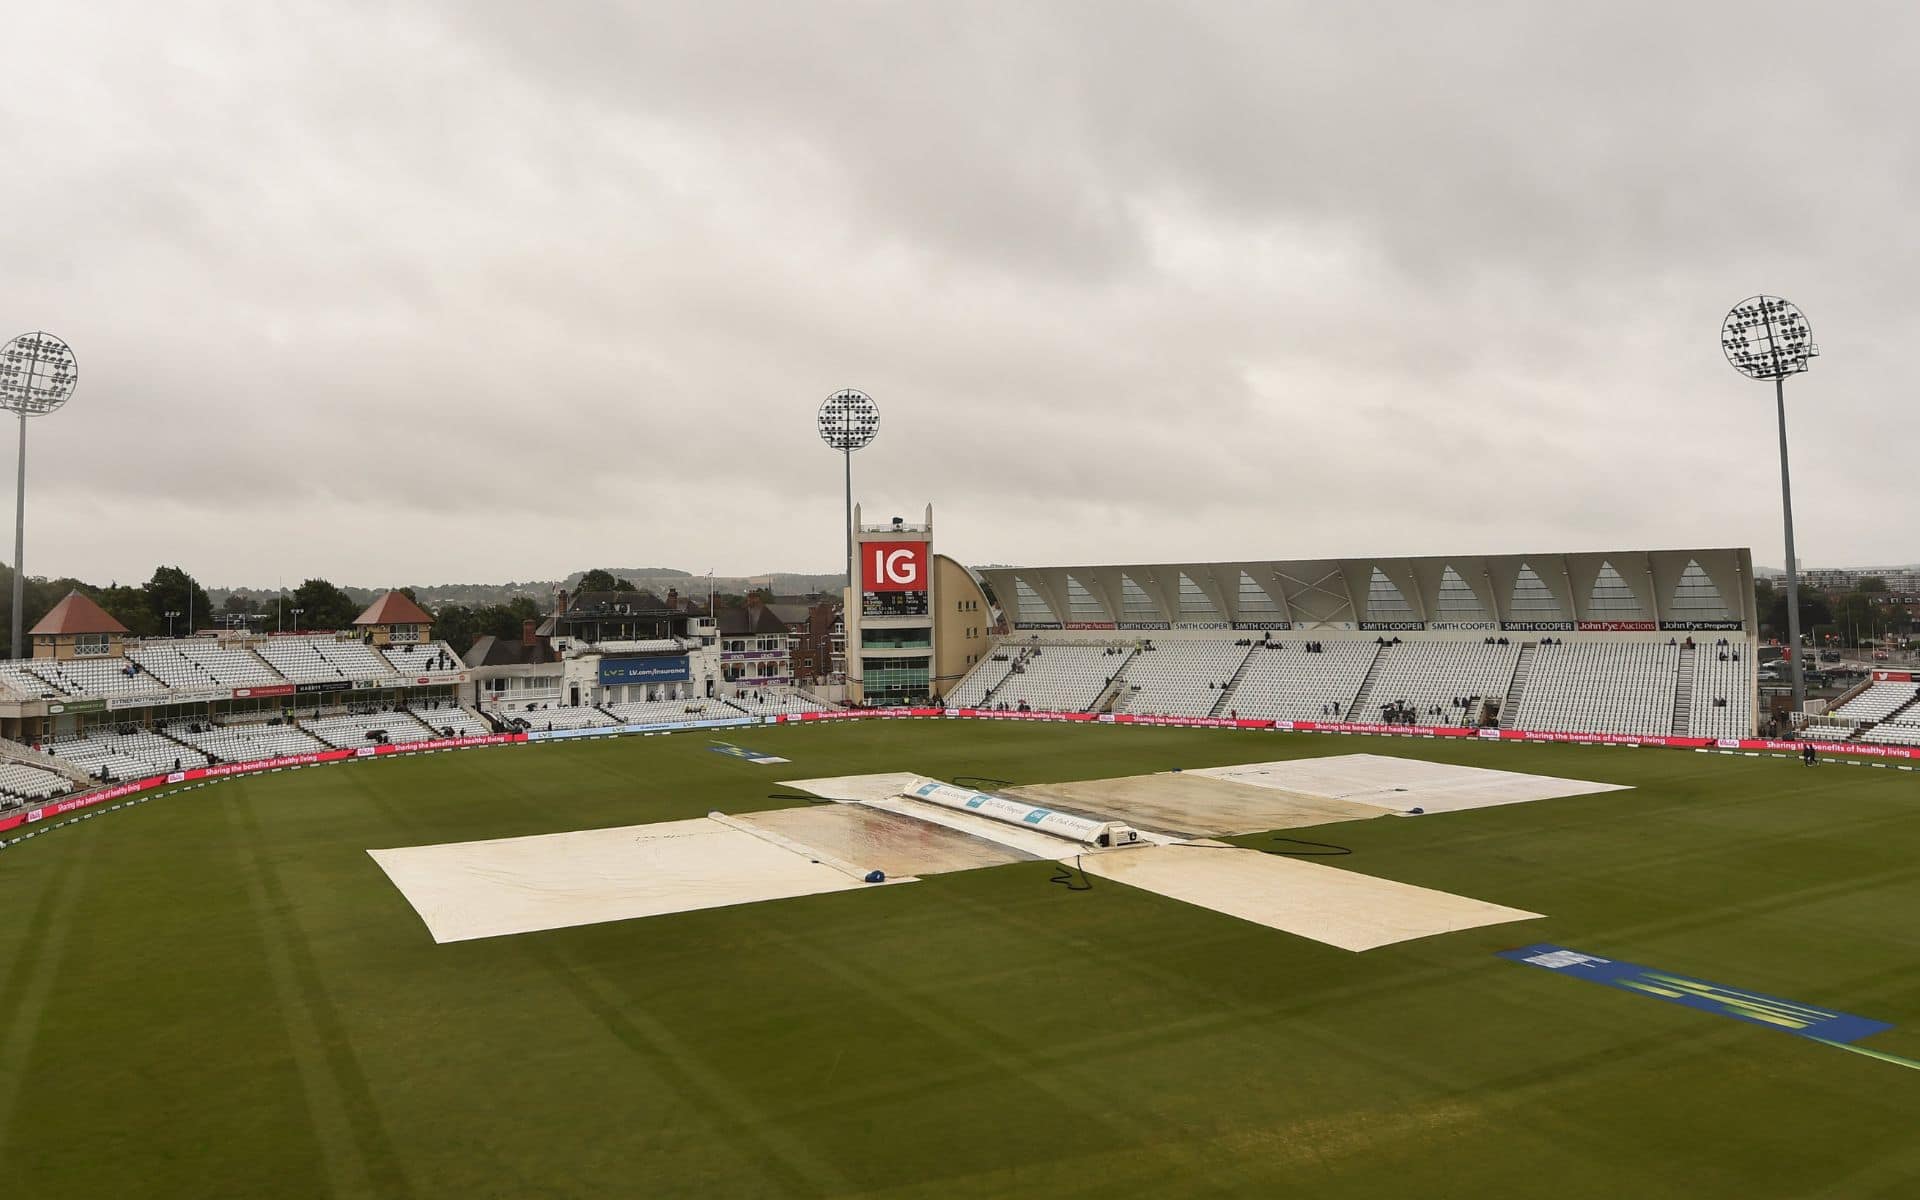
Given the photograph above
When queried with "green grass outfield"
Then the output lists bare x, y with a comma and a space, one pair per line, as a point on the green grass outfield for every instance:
219, 994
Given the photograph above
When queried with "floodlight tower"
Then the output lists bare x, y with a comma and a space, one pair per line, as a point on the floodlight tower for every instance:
1766, 337
37, 374
848, 421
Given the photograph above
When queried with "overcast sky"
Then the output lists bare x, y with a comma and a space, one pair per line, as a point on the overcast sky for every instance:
485, 291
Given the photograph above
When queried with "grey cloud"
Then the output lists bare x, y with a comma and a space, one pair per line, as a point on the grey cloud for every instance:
484, 291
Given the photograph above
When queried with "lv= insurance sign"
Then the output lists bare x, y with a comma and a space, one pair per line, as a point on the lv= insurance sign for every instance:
893, 566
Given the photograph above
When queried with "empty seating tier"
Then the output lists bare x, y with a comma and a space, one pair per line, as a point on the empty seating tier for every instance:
193, 663
96, 677
449, 720
1181, 678
351, 730
1285, 681
425, 657
1877, 702
768, 702
245, 743
646, 712
319, 659
107, 753
557, 717
25, 683
1601, 687
1441, 682
1901, 731
1059, 678
22, 784
1721, 703
987, 674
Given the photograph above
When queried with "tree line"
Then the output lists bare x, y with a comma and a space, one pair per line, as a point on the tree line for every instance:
173, 603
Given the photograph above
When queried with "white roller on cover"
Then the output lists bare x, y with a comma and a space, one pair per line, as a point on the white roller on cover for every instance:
1019, 812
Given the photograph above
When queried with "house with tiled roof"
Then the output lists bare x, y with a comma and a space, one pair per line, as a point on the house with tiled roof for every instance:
77, 628
394, 620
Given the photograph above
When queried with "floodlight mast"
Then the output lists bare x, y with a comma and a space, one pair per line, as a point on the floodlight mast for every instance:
1765, 337
37, 374
848, 421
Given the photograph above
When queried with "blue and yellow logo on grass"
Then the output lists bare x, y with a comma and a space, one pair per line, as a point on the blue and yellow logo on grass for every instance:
1806, 1020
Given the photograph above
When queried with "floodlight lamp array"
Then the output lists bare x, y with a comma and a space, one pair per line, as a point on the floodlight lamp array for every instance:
37, 374
1766, 337
849, 419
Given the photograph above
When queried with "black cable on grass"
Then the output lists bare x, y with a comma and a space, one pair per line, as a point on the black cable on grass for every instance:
1320, 849
1064, 875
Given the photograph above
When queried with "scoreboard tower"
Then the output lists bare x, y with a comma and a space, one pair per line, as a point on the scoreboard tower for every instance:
915, 621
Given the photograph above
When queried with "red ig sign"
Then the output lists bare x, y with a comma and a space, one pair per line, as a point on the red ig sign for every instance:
893, 566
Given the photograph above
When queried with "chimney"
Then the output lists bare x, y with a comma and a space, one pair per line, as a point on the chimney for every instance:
560, 602
673, 599
526, 633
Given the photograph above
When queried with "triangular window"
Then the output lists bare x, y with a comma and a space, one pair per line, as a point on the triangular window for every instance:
1384, 601
1612, 599
1457, 601
1532, 600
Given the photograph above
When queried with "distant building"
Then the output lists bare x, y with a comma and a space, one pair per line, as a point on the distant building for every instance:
77, 628
1833, 579
394, 620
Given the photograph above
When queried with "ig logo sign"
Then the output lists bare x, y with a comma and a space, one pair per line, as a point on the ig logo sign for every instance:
894, 567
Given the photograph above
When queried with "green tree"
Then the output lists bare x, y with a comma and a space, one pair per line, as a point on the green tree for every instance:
1873, 583
1814, 610
173, 590
1859, 617
132, 607
322, 606
457, 626
505, 620
601, 580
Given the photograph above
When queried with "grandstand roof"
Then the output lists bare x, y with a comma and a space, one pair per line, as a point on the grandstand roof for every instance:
394, 608
1622, 590
77, 614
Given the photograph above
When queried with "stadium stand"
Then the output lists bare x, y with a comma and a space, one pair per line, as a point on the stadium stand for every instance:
1600, 687
642, 712
204, 663
986, 675
1182, 678
767, 702
19, 679
319, 659
22, 784
1900, 731
1879, 701
426, 656
1286, 681
1721, 703
124, 753
243, 742
1057, 678
96, 677
1443, 683
350, 730
560, 716
451, 720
